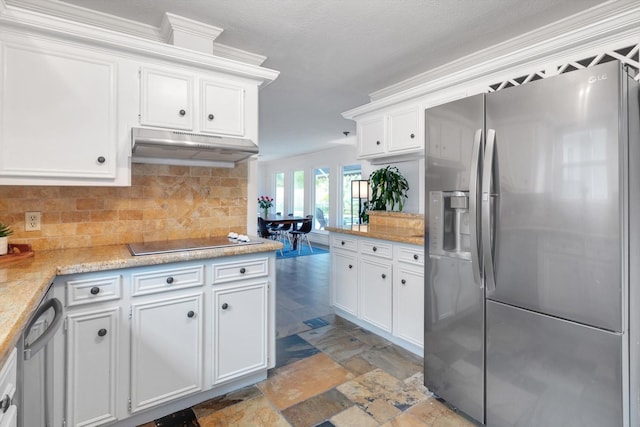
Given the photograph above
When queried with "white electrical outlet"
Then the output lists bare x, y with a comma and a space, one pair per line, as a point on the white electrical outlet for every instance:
32, 221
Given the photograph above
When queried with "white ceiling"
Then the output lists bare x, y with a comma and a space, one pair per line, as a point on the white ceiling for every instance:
332, 53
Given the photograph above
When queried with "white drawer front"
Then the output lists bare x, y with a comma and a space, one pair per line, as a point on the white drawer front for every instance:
410, 255
88, 291
343, 242
239, 270
167, 280
379, 249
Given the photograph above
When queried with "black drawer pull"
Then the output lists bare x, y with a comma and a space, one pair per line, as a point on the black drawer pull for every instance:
375, 249
210, 116
102, 332
101, 160
190, 314
95, 290
342, 243
243, 270
415, 256
384, 276
182, 112
404, 282
350, 266
225, 306
169, 280
412, 136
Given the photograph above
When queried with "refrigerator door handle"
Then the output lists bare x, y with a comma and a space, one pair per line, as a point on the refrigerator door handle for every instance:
487, 174
473, 209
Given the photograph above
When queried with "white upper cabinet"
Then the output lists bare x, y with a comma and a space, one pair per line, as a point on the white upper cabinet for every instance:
371, 136
166, 99
222, 109
405, 131
392, 133
58, 115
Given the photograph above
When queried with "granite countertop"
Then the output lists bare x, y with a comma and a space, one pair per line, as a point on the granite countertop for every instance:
23, 283
384, 232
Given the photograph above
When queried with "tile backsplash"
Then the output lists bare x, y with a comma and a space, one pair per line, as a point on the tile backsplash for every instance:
413, 221
163, 202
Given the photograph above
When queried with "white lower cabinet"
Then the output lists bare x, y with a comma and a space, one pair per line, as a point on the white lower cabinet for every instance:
166, 349
126, 355
409, 304
8, 382
379, 285
344, 274
376, 292
239, 330
92, 365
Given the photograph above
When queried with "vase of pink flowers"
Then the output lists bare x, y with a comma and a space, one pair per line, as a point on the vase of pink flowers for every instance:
265, 202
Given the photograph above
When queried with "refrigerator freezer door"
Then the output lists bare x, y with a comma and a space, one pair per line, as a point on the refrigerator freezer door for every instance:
558, 238
542, 371
454, 301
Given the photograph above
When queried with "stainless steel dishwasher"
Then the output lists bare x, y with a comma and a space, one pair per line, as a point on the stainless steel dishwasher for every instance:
34, 364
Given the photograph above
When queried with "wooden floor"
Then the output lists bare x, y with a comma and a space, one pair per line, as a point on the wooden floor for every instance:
302, 292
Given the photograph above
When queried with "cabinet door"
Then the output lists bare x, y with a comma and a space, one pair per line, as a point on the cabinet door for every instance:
405, 131
166, 350
92, 366
239, 330
222, 108
376, 291
58, 114
344, 281
371, 136
166, 99
409, 304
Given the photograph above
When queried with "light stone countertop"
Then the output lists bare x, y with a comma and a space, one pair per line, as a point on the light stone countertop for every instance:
395, 234
23, 283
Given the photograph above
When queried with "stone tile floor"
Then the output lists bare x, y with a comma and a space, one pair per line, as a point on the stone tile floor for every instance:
334, 374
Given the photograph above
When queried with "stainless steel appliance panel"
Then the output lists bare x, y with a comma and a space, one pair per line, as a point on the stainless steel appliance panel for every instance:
454, 297
542, 371
558, 239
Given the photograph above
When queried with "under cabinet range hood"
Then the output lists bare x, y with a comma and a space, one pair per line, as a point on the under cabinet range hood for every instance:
173, 147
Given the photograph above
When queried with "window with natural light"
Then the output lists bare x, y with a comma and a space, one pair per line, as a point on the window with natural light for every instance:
321, 191
349, 205
279, 192
298, 193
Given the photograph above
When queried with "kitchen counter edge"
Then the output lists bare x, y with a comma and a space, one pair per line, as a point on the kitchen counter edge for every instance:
394, 234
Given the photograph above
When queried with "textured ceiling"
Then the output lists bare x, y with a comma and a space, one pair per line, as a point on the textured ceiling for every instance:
332, 53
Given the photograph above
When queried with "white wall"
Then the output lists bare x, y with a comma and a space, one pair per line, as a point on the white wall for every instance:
413, 171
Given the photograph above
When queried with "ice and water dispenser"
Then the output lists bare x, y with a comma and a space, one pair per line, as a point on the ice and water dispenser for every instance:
449, 231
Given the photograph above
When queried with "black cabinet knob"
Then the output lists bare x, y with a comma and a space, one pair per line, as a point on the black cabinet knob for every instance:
404, 282
102, 332
101, 160
375, 249
190, 314
182, 112
384, 276
342, 243
377, 142
169, 280
412, 136
225, 306
211, 116
95, 290
5, 403
243, 270
350, 266
415, 256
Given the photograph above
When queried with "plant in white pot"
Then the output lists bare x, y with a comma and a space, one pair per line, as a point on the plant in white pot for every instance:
5, 232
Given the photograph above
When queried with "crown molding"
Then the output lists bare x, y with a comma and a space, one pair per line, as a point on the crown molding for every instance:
173, 23
588, 31
85, 31
237, 54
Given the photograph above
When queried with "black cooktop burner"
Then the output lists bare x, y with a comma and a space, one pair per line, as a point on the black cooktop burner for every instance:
164, 246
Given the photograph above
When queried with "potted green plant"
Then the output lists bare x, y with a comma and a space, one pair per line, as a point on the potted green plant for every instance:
5, 232
388, 190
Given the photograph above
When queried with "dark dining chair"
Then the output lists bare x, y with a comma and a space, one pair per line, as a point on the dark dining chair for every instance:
265, 233
302, 233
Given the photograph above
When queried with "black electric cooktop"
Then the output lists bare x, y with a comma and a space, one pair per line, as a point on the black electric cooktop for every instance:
164, 246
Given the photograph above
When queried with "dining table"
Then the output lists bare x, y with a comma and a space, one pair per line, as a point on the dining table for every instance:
286, 219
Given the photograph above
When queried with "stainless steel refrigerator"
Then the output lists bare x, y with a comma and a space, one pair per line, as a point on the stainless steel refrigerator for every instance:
531, 284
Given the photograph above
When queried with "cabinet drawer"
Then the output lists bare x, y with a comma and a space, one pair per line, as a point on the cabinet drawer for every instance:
239, 270
410, 255
343, 242
88, 291
379, 249
8, 377
167, 280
